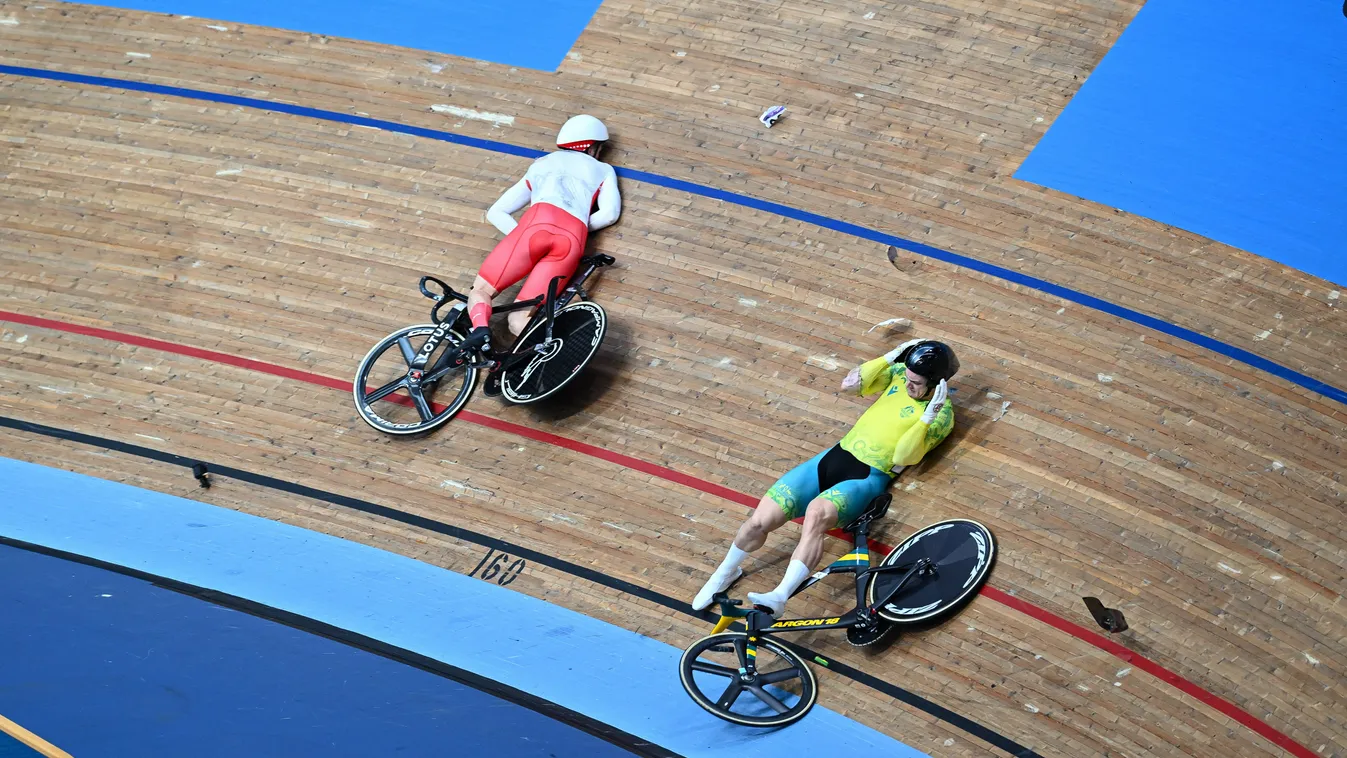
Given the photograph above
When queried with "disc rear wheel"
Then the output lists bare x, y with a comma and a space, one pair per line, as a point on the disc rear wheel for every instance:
577, 331
961, 553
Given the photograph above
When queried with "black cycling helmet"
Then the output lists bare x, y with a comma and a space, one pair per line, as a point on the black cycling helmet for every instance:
932, 360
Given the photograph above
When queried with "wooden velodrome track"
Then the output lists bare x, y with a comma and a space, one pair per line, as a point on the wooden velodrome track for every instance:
1200, 495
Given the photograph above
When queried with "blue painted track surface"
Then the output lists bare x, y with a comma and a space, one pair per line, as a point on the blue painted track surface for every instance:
607, 673
1221, 118
105, 664
527, 33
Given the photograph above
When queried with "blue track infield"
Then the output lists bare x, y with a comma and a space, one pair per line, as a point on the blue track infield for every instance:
12, 748
1222, 118
1014, 277
119, 666
527, 33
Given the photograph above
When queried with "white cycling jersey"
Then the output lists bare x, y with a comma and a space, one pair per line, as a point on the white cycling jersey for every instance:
570, 180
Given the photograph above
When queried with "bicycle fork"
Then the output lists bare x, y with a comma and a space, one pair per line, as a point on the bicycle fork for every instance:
749, 671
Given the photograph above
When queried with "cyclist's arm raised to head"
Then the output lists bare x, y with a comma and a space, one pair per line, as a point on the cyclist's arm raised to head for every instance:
921, 438
609, 201
869, 377
501, 213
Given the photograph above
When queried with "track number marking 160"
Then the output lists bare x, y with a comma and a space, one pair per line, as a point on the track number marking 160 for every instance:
498, 568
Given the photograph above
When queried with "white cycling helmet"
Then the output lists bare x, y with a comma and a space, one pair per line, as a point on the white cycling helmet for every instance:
580, 132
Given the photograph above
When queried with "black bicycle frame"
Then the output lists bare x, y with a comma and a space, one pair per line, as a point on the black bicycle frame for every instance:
759, 624
856, 562
552, 302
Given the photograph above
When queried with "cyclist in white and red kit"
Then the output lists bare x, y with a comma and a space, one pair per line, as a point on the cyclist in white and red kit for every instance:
569, 193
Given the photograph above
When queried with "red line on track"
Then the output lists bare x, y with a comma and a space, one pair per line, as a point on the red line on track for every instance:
1010, 601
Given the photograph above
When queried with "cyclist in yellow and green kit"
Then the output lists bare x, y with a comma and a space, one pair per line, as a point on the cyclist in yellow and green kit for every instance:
911, 416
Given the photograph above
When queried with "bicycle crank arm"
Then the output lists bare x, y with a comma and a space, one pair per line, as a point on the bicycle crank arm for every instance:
449, 363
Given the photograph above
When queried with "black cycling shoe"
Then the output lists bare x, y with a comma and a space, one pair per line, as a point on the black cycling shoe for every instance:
478, 339
491, 387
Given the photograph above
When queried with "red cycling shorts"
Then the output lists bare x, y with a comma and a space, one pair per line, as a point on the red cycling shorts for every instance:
548, 242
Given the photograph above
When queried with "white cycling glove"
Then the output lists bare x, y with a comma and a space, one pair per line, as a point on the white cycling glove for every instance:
893, 354
937, 403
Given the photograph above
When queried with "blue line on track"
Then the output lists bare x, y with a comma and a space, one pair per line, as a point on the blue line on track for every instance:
1015, 277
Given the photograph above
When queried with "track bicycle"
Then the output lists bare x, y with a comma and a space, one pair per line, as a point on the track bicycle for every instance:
751, 678
400, 381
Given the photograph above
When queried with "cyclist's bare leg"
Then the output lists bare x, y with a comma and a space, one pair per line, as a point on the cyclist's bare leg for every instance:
765, 519
819, 517
518, 320
481, 294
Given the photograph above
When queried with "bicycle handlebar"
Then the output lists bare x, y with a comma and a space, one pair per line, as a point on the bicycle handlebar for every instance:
446, 296
445, 290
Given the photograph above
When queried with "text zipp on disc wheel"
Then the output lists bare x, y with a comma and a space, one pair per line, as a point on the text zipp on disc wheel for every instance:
961, 552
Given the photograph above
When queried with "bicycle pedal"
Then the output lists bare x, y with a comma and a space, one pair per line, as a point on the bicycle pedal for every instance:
724, 598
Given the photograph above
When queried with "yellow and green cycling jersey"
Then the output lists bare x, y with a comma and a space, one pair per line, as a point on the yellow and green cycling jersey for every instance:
891, 434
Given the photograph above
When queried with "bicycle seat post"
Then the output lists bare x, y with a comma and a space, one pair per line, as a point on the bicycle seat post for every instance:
550, 305
860, 533
860, 530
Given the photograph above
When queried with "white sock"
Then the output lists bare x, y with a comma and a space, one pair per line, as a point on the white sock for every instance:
796, 573
721, 578
732, 560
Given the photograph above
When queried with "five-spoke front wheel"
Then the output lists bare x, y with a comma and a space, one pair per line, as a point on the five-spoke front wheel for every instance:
407, 385
779, 690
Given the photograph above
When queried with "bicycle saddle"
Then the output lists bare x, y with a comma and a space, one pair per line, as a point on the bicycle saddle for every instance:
873, 511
